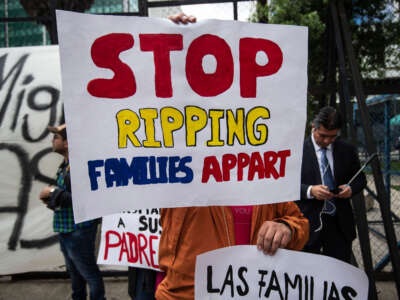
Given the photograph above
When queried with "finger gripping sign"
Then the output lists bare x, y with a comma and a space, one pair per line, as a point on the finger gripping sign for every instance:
131, 239
166, 115
243, 272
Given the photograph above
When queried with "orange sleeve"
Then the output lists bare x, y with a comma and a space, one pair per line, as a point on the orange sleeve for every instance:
291, 215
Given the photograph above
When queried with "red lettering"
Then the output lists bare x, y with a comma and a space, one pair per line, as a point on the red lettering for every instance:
111, 245
270, 158
152, 251
133, 248
228, 163
105, 54
283, 155
209, 85
250, 70
264, 166
161, 45
124, 248
256, 166
211, 167
142, 248
243, 161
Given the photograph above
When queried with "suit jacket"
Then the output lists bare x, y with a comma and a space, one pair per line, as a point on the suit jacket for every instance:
345, 165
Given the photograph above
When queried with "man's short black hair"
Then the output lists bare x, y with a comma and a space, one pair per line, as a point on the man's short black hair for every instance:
329, 118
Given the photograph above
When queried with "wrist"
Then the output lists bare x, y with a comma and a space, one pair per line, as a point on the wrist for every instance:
286, 224
311, 191
52, 190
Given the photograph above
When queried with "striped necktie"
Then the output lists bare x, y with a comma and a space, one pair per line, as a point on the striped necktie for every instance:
328, 180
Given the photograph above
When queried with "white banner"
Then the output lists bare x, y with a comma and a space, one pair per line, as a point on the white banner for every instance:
243, 272
211, 113
131, 239
30, 100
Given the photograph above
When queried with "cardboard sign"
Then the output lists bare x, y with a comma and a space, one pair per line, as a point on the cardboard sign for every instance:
243, 272
163, 115
131, 239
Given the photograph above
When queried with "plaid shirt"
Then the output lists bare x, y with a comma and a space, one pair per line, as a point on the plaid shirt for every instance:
64, 217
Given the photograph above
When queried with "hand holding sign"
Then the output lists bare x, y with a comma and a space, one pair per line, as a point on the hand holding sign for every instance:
273, 235
182, 18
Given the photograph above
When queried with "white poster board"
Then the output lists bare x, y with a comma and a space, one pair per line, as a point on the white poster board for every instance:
162, 115
243, 272
30, 100
131, 239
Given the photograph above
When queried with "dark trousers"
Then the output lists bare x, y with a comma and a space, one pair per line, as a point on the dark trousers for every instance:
331, 241
141, 283
78, 250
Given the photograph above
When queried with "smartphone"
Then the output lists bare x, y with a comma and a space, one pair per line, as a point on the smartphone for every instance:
335, 191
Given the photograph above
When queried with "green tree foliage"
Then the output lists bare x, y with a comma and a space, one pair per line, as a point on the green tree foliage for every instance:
374, 25
376, 35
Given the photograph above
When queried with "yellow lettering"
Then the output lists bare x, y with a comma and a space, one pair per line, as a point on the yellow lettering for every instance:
196, 120
148, 115
235, 126
171, 120
215, 115
252, 116
128, 122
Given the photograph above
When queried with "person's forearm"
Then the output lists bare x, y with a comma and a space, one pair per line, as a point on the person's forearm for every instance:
60, 198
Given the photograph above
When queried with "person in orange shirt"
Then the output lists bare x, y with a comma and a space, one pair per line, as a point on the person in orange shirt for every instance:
190, 231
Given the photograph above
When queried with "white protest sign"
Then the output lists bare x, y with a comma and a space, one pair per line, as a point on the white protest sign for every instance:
131, 238
162, 115
243, 272
30, 86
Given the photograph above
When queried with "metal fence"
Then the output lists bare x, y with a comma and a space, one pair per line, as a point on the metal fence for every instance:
383, 111
20, 33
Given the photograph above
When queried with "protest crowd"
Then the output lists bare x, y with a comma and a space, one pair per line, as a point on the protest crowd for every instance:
319, 222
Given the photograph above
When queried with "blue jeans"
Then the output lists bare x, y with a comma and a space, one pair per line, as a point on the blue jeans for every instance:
78, 250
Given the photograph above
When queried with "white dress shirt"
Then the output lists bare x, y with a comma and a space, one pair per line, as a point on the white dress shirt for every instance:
318, 153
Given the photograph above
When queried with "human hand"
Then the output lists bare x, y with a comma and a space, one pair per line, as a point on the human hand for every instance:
345, 192
273, 235
45, 193
321, 192
182, 18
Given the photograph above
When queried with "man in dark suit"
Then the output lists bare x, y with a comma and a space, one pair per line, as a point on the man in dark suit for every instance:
329, 163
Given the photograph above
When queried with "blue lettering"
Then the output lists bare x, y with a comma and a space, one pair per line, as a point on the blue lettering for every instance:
93, 173
185, 169
162, 168
173, 169
153, 170
118, 172
127, 171
112, 172
140, 174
